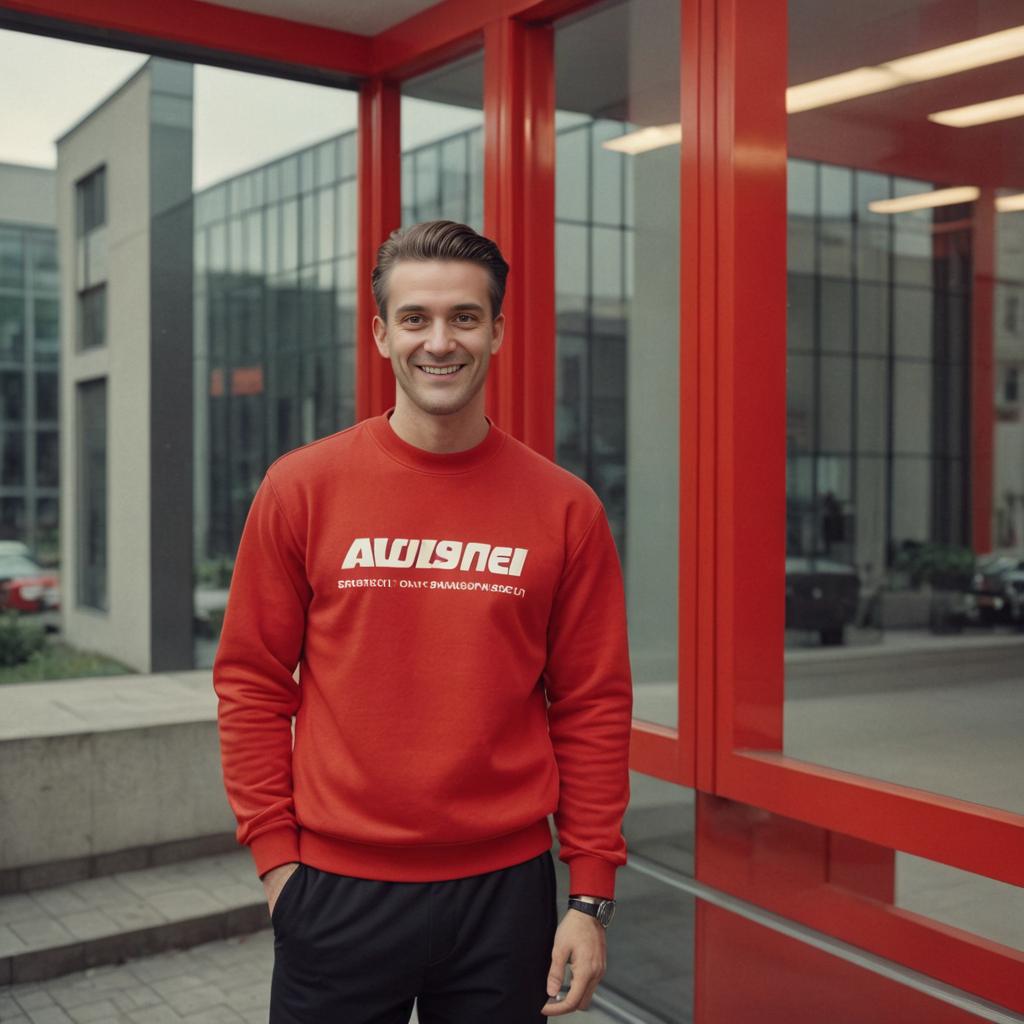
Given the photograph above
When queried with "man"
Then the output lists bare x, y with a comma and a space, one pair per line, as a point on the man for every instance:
455, 603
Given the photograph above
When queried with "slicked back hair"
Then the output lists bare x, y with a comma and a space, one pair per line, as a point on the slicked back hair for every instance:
439, 240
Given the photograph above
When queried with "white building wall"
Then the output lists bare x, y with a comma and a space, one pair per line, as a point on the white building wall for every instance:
115, 134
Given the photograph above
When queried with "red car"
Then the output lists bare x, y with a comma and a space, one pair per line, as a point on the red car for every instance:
26, 586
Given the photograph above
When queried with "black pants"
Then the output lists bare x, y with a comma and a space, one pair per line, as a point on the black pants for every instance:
472, 950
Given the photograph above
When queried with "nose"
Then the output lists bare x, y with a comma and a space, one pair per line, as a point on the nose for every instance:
440, 342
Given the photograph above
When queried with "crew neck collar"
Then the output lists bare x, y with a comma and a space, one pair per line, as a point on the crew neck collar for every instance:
434, 462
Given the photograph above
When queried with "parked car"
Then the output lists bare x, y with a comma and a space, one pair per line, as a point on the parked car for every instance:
25, 586
996, 594
821, 595
14, 547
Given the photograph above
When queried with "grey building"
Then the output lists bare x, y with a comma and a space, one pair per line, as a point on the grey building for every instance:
124, 216
29, 304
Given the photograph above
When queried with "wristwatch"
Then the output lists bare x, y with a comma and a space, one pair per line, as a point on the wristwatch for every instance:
603, 910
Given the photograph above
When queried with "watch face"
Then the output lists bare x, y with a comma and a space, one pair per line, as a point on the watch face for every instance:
605, 912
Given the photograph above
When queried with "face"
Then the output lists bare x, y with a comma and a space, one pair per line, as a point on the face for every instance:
439, 334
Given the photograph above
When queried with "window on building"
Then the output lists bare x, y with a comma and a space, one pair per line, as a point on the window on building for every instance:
92, 202
92, 494
92, 317
91, 258
1011, 385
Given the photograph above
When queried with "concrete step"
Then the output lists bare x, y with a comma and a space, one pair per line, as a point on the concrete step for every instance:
51, 931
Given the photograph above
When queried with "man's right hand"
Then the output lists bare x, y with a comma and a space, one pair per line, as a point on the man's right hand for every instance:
274, 879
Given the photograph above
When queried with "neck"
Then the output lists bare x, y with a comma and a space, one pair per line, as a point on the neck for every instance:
452, 432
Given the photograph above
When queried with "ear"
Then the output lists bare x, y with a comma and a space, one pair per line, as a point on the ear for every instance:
499, 333
380, 336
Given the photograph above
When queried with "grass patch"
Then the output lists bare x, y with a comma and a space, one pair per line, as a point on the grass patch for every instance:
57, 660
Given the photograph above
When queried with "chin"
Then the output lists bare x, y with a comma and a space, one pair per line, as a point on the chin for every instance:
438, 405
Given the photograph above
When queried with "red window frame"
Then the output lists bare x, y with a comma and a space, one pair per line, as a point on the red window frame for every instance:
744, 755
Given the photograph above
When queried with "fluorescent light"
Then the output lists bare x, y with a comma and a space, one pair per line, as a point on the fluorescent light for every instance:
924, 200
917, 67
1007, 204
981, 113
971, 53
836, 88
644, 139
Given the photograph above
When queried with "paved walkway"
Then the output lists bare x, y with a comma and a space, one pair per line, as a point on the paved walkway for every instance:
224, 982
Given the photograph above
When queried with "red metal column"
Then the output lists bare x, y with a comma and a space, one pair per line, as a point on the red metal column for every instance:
697, 335
519, 214
983, 425
380, 212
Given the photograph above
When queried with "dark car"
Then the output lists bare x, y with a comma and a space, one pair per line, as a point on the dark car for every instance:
26, 586
821, 595
996, 593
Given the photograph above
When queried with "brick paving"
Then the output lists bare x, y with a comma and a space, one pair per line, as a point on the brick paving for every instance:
223, 982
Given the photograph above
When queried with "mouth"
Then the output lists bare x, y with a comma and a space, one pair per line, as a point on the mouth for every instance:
441, 371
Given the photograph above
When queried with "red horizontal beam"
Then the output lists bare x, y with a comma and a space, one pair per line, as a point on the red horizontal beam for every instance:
194, 23
655, 750
776, 863
985, 840
451, 28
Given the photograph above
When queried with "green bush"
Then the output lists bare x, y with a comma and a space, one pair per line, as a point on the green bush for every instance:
19, 640
943, 566
214, 572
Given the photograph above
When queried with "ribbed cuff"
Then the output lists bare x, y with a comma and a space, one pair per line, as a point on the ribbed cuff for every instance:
591, 876
275, 847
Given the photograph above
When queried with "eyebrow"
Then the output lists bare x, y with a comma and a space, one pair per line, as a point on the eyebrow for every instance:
467, 307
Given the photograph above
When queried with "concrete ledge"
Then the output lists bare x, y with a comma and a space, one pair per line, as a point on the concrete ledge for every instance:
104, 773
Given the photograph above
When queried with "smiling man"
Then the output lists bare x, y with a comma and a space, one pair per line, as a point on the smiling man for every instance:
454, 603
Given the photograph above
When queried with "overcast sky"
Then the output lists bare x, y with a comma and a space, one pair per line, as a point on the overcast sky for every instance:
240, 119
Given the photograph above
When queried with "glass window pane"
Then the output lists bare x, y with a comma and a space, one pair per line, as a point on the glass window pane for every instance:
91, 568
836, 315
12, 396
13, 468
915, 489
46, 395
47, 459
617, 288
12, 258
12, 328
442, 144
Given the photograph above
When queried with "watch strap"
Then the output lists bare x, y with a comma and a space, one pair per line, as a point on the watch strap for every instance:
602, 909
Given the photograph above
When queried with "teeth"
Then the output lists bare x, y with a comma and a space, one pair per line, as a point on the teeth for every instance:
441, 371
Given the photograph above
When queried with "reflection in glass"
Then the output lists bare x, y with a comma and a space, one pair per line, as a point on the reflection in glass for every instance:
905, 490
443, 144
271, 319
29, 339
991, 909
617, 286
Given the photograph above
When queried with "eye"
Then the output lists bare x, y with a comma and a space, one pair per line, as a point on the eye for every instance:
413, 319
465, 318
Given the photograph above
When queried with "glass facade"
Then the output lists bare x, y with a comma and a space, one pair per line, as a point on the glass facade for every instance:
29, 324
274, 326
878, 343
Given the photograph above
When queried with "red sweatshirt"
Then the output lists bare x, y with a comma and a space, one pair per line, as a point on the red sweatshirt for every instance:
459, 625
